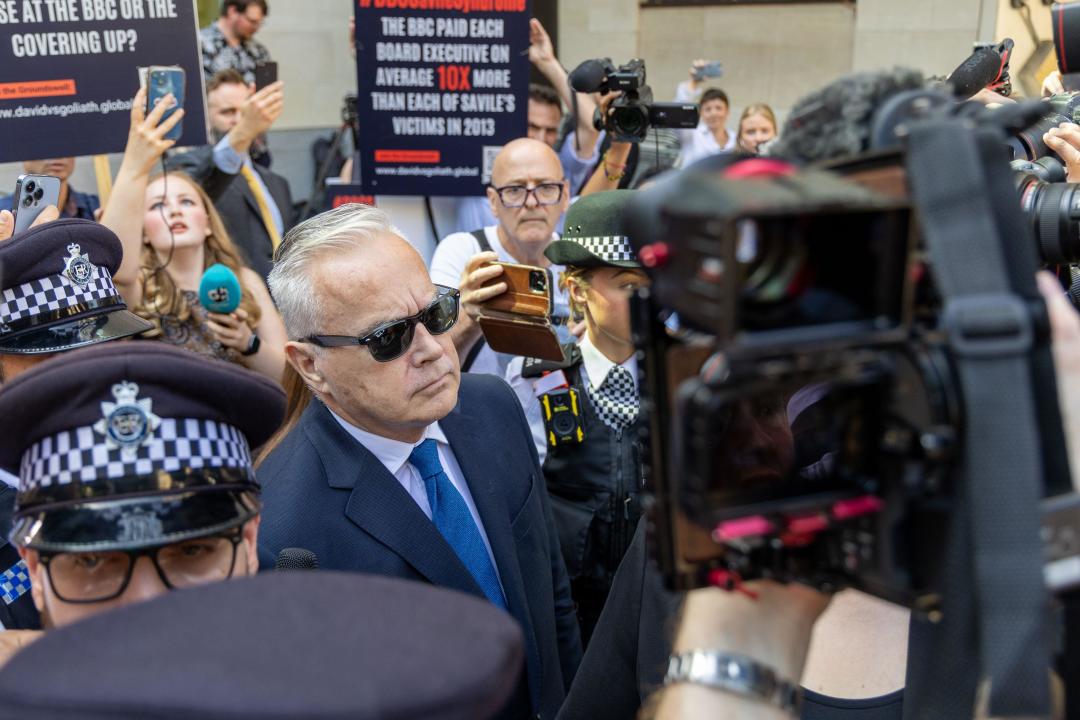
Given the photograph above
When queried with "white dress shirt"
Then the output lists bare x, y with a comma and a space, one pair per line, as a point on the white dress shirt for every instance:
394, 455
9, 479
594, 369
699, 142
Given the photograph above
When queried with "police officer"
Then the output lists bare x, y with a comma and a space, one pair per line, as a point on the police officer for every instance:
584, 411
56, 294
135, 474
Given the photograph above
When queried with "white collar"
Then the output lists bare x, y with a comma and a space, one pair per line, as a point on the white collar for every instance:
597, 365
393, 454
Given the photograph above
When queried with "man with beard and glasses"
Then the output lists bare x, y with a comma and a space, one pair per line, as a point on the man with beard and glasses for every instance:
403, 467
229, 42
255, 203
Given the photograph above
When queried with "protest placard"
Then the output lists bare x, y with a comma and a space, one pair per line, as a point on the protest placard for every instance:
68, 71
443, 84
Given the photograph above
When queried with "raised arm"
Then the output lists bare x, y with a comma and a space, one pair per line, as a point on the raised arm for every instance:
124, 212
542, 55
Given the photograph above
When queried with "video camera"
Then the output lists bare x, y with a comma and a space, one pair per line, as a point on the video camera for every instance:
629, 116
811, 419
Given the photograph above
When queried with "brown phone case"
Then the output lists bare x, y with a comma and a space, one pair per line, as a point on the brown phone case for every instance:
518, 321
528, 290
517, 334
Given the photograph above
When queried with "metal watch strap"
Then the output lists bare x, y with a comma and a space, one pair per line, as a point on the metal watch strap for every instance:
736, 674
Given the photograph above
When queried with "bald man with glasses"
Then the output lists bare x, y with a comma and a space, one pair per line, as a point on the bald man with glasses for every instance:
528, 194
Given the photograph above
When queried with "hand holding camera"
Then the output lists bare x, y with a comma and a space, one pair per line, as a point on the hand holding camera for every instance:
147, 137
475, 285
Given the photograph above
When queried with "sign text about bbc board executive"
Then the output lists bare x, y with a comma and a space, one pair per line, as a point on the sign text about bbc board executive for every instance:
442, 86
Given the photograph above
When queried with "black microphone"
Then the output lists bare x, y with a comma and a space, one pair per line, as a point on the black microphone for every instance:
588, 76
981, 68
296, 559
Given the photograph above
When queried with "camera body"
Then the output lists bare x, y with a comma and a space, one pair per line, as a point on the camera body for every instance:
629, 116
806, 421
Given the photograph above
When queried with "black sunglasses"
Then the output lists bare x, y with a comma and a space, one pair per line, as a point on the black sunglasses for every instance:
390, 340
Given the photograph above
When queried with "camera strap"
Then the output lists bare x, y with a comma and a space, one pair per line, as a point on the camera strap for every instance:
1001, 613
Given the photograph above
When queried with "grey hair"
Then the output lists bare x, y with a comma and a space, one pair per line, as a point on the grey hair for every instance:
343, 228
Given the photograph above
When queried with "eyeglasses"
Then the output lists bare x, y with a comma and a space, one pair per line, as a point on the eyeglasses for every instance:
514, 196
390, 340
256, 23
91, 577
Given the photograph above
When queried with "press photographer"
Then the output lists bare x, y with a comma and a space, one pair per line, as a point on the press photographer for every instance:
882, 338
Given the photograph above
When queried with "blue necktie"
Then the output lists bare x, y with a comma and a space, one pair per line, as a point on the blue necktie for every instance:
454, 521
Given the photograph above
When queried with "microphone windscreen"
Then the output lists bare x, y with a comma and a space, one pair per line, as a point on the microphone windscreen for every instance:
587, 76
296, 559
219, 289
980, 69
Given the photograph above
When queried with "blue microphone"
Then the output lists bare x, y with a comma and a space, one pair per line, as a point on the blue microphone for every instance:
219, 289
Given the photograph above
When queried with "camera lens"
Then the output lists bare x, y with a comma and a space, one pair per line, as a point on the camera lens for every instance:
27, 201
1053, 209
537, 281
630, 122
563, 424
159, 79
30, 186
38, 194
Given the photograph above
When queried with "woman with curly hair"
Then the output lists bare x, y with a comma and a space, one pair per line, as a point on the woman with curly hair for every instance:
171, 235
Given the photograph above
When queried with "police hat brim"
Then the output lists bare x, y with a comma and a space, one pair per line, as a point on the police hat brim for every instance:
132, 523
75, 333
571, 253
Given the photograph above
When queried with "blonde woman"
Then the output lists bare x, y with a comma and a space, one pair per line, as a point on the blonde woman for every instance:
171, 235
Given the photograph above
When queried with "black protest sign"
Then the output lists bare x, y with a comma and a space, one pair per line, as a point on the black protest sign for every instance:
69, 68
443, 84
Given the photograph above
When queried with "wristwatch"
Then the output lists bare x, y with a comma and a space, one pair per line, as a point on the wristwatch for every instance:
735, 674
253, 346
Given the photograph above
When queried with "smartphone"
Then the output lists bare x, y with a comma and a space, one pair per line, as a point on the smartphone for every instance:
265, 74
711, 69
33, 193
161, 81
528, 290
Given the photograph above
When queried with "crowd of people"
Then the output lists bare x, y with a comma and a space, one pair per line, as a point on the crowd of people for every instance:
351, 406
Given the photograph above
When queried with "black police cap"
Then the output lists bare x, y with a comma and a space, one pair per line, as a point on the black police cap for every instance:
126, 445
57, 292
289, 646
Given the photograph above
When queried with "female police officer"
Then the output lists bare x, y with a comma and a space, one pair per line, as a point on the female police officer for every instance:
584, 411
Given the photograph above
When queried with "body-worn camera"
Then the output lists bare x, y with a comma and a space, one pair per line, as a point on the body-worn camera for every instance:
629, 116
563, 423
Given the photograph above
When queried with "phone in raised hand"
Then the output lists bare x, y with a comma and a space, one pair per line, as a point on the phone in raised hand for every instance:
33, 193
161, 81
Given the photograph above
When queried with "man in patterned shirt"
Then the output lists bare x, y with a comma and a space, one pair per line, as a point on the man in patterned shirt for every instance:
229, 42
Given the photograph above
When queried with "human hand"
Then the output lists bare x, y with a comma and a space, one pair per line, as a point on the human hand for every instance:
480, 269
231, 330
1052, 84
7, 220
695, 70
990, 98
773, 627
12, 641
258, 113
146, 137
541, 49
1065, 346
1065, 141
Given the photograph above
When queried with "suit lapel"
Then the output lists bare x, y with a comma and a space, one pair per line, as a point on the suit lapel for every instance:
381, 507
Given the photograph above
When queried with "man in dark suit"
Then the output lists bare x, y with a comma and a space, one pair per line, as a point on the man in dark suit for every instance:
402, 467
254, 202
